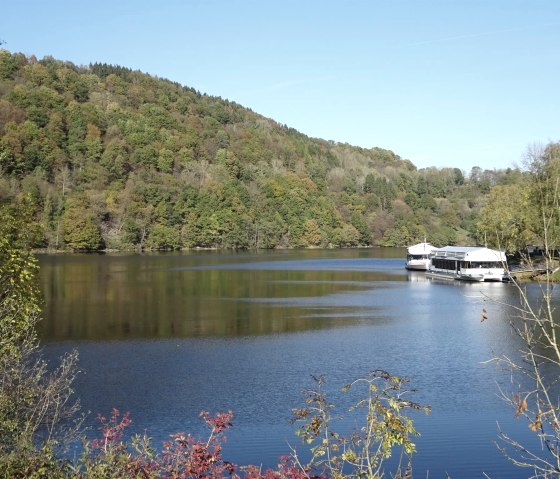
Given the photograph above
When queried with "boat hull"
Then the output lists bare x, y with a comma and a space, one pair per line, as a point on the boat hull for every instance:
417, 265
472, 277
496, 276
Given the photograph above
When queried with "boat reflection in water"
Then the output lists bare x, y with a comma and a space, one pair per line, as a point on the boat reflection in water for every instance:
417, 276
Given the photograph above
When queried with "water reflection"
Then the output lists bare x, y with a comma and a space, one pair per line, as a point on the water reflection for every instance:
136, 296
165, 336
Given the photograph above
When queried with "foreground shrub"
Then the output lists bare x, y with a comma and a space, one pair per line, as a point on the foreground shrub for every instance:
38, 418
360, 454
183, 456
384, 425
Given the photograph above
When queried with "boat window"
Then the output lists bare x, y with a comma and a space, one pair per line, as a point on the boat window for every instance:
487, 264
443, 263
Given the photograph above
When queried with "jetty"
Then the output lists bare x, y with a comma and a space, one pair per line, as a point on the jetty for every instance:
528, 271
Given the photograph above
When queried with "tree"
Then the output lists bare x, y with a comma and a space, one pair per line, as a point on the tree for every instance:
535, 371
9, 64
80, 231
162, 237
312, 233
504, 220
359, 222
37, 413
108, 126
383, 189
543, 164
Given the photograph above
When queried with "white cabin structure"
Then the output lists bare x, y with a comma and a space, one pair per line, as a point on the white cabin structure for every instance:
418, 256
468, 263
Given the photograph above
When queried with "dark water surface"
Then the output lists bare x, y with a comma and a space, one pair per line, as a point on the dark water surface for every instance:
165, 336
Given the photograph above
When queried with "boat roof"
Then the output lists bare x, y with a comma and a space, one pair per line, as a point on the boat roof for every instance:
421, 248
469, 253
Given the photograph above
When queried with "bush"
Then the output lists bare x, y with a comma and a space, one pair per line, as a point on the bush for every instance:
358, 455
37, 416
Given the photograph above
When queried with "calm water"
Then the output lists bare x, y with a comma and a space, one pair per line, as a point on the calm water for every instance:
165, 336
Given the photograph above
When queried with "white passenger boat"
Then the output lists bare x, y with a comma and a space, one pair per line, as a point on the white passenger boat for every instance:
468, 263
418, 256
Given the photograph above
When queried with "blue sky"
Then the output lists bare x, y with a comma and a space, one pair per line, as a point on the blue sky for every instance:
442, 83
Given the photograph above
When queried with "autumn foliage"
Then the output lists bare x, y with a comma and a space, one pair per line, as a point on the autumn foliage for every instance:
360, 454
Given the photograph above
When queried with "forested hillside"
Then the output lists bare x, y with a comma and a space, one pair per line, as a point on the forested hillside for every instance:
113, 158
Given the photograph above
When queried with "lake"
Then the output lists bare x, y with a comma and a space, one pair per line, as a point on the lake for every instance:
165, 336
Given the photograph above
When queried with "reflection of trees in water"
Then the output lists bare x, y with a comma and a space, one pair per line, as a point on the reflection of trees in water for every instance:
113, 297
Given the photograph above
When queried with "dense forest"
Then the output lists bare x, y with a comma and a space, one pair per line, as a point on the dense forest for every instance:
110, 158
